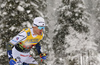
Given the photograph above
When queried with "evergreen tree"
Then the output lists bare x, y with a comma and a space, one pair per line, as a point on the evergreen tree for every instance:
71, 14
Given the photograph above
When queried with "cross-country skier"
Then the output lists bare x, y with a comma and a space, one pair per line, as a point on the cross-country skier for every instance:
19, 47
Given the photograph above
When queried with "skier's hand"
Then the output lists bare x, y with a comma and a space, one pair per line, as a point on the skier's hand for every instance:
12, 62
43, 56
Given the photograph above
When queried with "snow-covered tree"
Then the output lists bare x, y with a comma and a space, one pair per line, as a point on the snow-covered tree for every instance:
72, 34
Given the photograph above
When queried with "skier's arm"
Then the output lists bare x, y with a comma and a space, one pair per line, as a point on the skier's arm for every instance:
38, 47
42, 55
18, 38
9, 50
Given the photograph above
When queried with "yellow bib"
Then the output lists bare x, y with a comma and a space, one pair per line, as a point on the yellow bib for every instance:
30, 40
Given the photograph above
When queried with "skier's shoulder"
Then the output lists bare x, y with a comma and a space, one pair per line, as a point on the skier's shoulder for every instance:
23, 33
19, 37
25, 30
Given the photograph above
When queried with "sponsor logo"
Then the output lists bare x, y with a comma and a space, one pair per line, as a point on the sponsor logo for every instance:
28, 33
17, 38
14, 41
25, 55
31, 41
41, 22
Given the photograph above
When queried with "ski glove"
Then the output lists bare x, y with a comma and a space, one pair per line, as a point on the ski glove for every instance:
9, 52
43, 56
12, 62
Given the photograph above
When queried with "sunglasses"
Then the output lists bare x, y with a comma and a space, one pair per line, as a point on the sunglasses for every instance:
40, 27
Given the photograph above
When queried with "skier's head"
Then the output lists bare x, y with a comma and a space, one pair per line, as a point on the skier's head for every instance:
39, 21
38, 25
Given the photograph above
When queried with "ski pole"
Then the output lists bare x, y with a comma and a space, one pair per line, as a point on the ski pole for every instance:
41, 61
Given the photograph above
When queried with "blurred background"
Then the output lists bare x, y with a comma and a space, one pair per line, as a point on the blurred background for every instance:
71, 35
